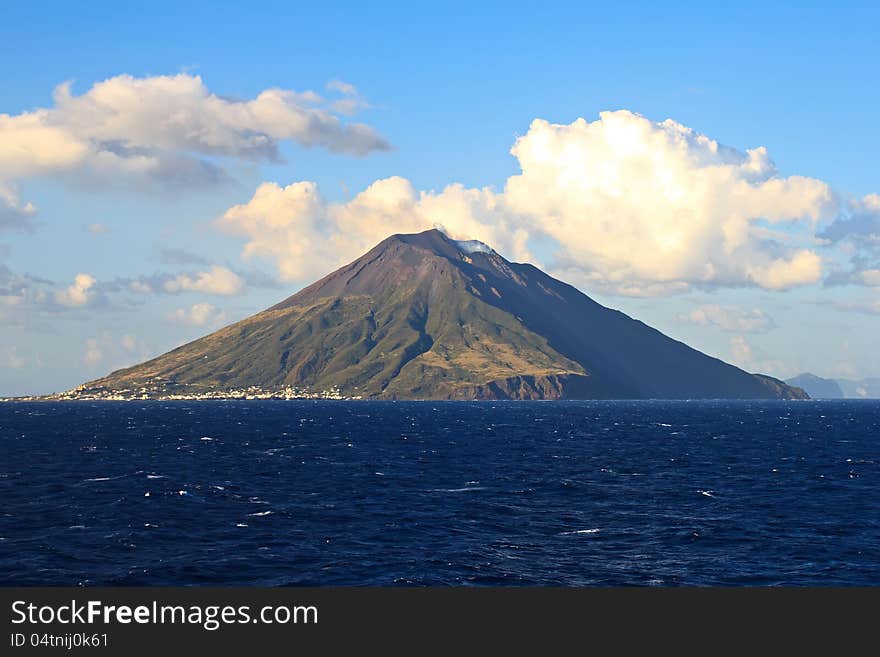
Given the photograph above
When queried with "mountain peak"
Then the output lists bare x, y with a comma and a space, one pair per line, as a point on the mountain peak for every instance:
438, 241
433, 240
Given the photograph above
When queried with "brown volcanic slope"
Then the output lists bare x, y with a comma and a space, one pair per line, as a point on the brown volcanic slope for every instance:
420, 317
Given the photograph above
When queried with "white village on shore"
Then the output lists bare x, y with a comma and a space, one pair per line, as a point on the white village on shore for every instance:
163, 393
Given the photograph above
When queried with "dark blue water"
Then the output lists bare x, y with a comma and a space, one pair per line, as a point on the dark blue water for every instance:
321, 493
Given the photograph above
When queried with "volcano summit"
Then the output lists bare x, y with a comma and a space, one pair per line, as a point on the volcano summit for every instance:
423, 316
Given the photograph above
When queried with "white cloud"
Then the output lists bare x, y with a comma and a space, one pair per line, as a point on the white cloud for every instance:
165, 129
216, 280
871, 277
631, 201
627, 206
80, 293
200, 314
24, 297
728, 318
783, 273
23, 294
98, 229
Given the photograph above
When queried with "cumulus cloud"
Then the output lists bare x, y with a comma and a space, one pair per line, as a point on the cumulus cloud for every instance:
22, 295
214, 280
166, 129
729, 318
200, 314
633, 201
627, 205
80, 293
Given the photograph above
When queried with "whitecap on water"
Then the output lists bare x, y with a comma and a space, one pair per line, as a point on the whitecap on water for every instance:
594, 530
261, 513
457, 490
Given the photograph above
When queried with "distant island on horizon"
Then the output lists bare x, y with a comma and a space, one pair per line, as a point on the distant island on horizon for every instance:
822, 388
423, 316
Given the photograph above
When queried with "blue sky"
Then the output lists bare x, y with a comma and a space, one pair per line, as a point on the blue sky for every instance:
450, 87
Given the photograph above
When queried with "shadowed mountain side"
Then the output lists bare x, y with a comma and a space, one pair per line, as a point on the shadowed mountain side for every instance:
424, 317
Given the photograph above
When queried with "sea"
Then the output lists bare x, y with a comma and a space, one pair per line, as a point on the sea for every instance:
326, 493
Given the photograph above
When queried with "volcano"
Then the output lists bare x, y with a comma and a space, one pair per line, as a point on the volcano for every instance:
423, 316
